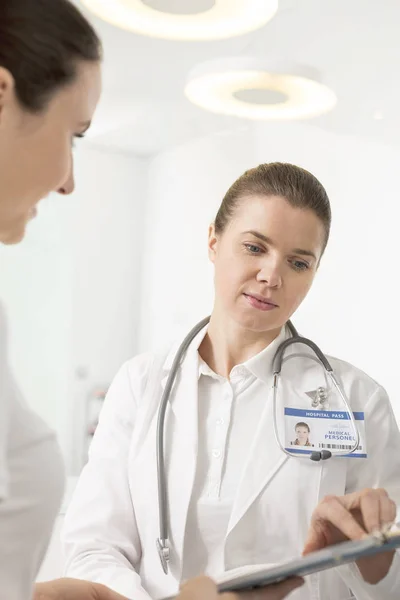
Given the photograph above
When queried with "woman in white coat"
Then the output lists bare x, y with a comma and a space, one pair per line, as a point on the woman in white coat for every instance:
235, 498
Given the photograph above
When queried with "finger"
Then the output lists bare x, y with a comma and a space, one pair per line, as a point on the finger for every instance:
281, 590
198, 589
388, 512
377, 509
104, 593
114, 596
370, 507
331, 512
276, 591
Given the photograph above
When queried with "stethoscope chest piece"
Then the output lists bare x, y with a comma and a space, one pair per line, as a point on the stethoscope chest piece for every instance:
163, 553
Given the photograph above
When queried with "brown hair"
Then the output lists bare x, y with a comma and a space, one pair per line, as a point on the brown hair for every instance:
302, 424
299, 187
41, 43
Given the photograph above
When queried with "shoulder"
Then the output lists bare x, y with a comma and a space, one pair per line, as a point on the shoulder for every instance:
359, 386
350, 372
4, 413
129, 390
133, 377
155, 363
354, 380
3, 333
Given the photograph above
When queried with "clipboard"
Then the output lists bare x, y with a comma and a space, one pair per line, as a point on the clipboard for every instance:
328, 558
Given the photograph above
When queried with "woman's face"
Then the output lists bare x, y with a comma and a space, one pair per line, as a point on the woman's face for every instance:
302, 434
36, 149
265, 261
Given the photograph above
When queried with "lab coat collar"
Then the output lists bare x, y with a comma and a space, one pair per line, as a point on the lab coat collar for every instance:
261, 364
192, 353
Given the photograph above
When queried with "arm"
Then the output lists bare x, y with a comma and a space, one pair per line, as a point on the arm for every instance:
372, 496
31, 482
73, 589
100, 537
4, 409
201, 588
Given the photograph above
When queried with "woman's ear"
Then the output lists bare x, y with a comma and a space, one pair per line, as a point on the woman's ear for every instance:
212, 243
6, 89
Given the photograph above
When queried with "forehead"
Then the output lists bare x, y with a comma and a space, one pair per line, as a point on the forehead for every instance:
80, 98
273, 215
272, 209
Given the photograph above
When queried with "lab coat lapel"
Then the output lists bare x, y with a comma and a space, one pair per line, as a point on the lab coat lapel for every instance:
181, 437
266, 457
264, 461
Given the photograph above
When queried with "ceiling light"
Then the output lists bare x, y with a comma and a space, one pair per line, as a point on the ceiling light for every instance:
252, 88
223, 20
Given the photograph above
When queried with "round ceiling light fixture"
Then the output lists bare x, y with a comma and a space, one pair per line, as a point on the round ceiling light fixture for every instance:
253, 88
223, 20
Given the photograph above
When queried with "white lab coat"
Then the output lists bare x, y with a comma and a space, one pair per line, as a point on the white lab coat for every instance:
112, 525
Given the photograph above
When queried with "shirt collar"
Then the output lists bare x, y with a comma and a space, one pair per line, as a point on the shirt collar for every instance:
259, 365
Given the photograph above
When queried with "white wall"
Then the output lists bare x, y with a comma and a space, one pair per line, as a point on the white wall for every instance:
351, 309
70, 290
108, 237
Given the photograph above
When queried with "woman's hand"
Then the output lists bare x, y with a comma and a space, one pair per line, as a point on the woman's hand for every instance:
203, 588
73, 589
351, 517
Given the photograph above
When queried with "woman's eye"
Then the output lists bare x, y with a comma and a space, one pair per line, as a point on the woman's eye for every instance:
300, 265
252, 248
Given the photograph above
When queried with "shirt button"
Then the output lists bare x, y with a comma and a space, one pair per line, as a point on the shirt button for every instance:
216, 453
220, 422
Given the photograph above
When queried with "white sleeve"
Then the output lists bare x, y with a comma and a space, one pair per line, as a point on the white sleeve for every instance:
380, 470
4, 408
31, 484
100, 536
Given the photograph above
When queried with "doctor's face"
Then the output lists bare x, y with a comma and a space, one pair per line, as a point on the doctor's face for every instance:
265, 262
302, 434
36, 148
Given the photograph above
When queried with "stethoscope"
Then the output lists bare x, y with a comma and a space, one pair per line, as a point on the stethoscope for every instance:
319, 400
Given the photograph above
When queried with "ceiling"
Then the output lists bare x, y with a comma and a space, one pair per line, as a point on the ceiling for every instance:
355, 44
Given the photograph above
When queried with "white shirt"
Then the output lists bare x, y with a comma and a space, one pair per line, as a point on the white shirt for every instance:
229, 411
31, 485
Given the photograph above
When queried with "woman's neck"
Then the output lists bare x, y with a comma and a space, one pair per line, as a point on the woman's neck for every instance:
227, 344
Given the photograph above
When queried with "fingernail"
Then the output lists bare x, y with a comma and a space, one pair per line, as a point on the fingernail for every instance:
378, 534
387, 527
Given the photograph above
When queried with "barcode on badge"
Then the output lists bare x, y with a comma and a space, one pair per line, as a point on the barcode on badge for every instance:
338, 447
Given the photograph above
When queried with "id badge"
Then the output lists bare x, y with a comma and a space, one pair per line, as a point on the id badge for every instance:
315, 430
